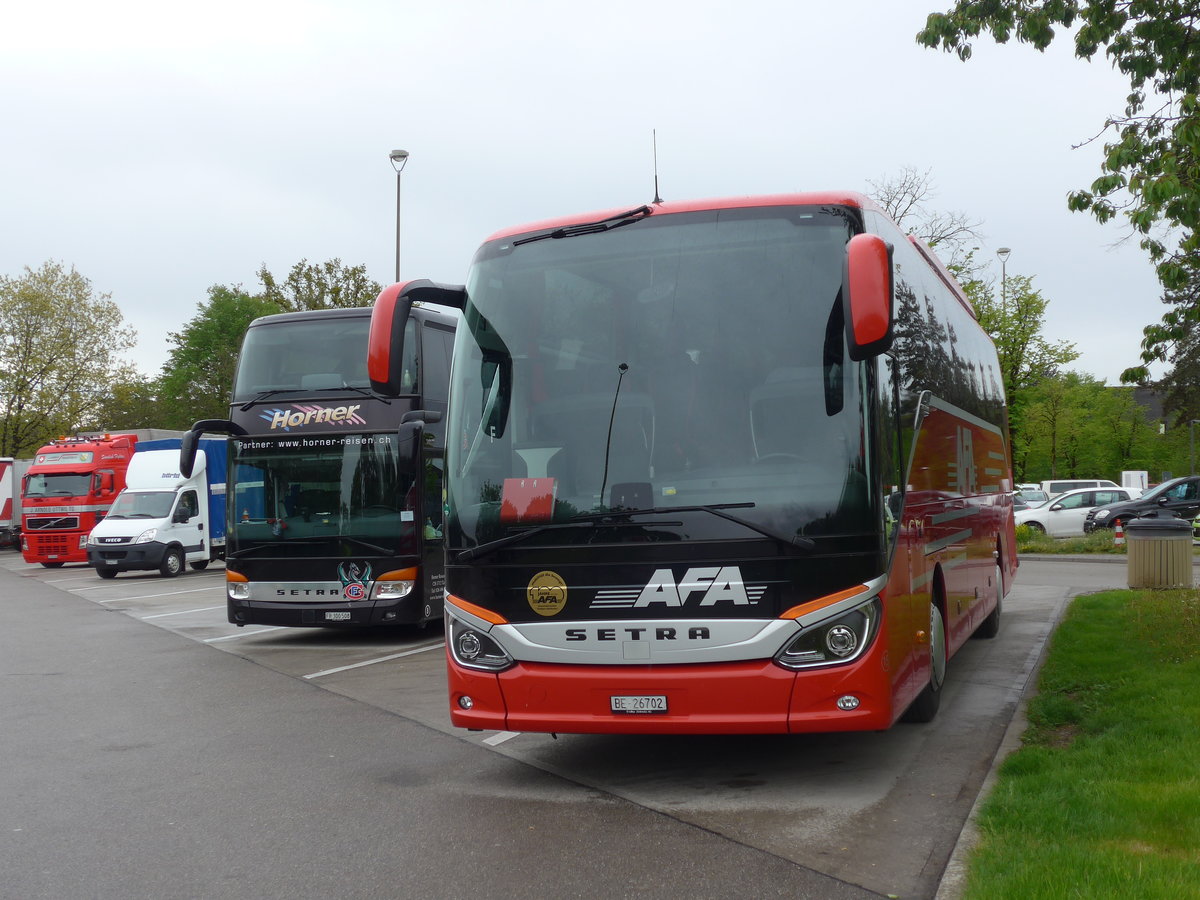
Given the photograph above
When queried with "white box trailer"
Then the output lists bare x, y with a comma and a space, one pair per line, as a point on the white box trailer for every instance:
10, 507
162, 520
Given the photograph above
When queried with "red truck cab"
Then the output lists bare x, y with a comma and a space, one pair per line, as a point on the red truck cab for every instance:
68, 489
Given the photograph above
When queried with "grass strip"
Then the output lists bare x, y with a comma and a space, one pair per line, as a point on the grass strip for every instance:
1103, 798
1099, 541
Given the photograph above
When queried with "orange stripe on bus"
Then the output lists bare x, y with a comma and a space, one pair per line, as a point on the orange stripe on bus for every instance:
821, 602
486, 614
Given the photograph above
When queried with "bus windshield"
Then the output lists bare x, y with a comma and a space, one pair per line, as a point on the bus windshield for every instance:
320, 495
303, 356
686, 361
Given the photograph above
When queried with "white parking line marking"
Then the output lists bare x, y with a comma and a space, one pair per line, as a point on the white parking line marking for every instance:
371, 662
103, 583
234, 637
182, 612
149, 596
501, 737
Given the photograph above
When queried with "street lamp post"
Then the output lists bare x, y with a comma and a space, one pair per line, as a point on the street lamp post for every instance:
1002, 253
398, 158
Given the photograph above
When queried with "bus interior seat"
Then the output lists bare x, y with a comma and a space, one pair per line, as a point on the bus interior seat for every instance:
580, 426
782, 413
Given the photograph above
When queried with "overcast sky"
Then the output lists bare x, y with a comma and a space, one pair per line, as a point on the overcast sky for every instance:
161, 148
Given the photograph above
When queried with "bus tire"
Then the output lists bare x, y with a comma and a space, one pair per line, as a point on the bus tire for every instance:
990, 627
925, 707
53, 565
199, 565
172, 563
107, 573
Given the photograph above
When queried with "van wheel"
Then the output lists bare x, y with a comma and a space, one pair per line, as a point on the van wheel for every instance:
925, 707
172, 563
199, 565
107, 573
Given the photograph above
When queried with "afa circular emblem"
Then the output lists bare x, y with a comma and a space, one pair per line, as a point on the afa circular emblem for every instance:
547, 593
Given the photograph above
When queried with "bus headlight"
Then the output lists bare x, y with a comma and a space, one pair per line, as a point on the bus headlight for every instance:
147, 536
473, 649
839, 639
395, 585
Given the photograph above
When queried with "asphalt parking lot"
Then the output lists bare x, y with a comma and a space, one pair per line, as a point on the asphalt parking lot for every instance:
880, 813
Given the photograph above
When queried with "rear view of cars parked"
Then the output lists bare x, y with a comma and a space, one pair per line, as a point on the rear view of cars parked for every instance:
1065, 515
1179, 497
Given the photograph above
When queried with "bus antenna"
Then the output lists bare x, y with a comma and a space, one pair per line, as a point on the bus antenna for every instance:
654, 136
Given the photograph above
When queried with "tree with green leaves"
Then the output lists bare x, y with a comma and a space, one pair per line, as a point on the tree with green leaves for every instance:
1151, 167
1014, 320
329, 285
197, 378
1076, 427
60, 348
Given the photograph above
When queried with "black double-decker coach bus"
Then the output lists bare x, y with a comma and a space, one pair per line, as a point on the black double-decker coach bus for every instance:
334, 492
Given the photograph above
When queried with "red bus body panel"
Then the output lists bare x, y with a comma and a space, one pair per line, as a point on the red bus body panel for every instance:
756, 697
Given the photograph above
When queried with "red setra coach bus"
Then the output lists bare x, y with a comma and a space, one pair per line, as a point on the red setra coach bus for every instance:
714, 467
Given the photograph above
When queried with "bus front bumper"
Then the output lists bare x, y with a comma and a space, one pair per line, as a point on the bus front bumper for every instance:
750, 697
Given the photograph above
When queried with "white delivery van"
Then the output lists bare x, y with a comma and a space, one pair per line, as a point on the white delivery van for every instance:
161, 520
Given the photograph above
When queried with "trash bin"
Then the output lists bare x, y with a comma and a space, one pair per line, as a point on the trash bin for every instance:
1160, 551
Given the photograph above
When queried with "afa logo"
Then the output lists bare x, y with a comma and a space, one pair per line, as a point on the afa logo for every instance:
354, 580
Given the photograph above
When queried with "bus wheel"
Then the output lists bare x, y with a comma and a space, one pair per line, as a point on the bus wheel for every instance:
925, 707
107, 573
172, 563
53, 565
990, 627
199, 565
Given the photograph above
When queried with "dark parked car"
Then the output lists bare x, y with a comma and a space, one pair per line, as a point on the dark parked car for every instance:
1179, 496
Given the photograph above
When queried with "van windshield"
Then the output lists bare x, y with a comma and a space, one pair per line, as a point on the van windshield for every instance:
142, 505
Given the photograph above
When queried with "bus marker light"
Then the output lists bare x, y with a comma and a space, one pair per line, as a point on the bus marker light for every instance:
847, 703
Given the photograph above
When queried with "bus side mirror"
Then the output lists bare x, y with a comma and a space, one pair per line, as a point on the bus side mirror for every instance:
867, 292
187, 452
385, 343
190, 441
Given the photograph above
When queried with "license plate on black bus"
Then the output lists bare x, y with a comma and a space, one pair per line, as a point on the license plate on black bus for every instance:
639, 704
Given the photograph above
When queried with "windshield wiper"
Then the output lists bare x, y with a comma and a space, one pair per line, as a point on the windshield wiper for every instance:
610, 520
491, 546
625, 218
793, 542
275, 545
382, 551
357, 390
259, 398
